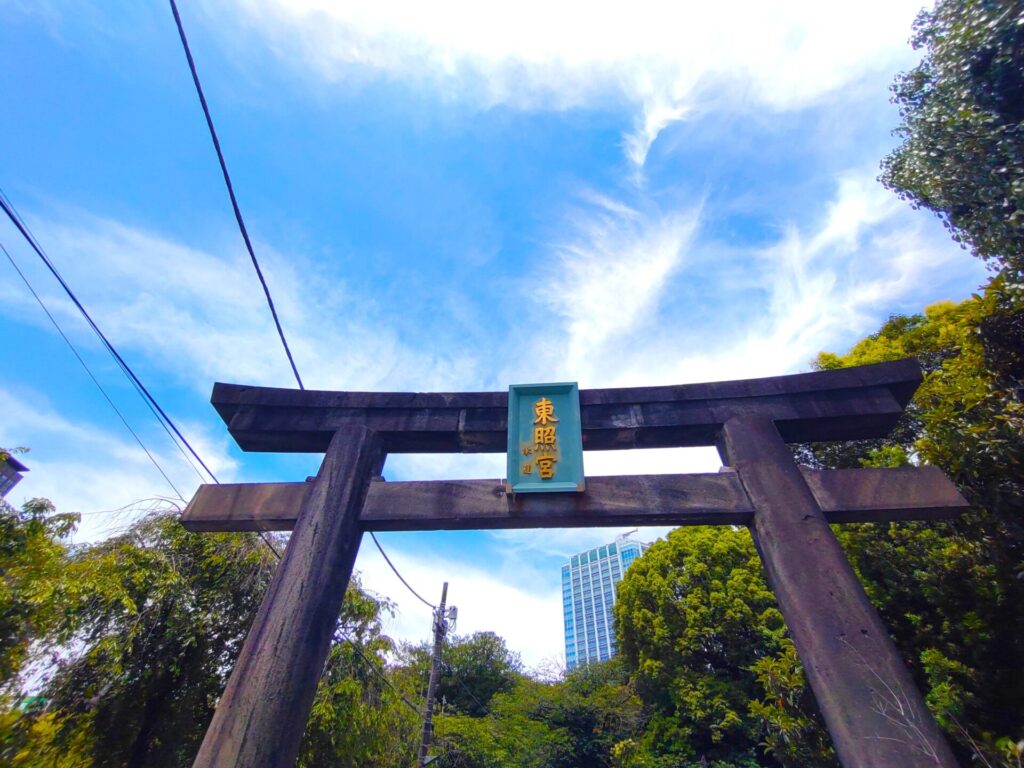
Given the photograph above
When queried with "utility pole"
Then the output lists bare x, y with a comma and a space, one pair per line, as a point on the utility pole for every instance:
440, 628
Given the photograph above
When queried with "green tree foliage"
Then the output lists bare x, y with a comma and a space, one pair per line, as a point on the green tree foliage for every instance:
137, 635
139, 632
793, 732
967, 416
580, 722
950, 592
360, 716
31, 556
473, 670
517, 732
962, 110
156, 618
701, 629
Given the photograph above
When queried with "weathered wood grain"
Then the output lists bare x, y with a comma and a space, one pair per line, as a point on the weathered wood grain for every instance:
262, 714
844, 404
873, 710
846, 496
882, 495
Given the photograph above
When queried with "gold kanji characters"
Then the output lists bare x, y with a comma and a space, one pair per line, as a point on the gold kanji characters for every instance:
544, 435
544, 411
546, 467
545, 441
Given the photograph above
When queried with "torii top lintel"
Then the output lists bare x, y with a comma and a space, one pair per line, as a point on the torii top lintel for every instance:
845, 404
261, 716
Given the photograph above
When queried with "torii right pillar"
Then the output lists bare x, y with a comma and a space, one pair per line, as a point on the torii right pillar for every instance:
858, 678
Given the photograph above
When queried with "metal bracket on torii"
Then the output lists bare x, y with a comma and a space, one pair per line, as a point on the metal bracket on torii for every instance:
869, 701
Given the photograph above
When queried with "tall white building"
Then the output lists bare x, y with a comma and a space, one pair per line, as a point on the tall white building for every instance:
589, 582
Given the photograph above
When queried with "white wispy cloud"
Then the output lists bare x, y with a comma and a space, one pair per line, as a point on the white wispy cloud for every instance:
608, 277
815, 288
655, 117
870, 254
188, 312
617, 322
628, 281
201, 316
661, 58
96, 468
521, 610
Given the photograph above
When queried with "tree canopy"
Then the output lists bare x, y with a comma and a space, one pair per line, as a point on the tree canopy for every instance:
700, 631
962, 110
948, 591
473, 670
694, 616
587, 719
140, 631
134, 638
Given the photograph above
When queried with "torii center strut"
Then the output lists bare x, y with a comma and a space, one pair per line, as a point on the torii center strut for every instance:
875, 714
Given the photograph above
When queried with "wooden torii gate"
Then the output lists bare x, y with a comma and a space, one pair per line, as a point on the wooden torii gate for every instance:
875, 714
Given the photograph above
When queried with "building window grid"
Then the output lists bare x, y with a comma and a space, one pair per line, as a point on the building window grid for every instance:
589, 603
577, 616
577, 612
603, 632
589, 595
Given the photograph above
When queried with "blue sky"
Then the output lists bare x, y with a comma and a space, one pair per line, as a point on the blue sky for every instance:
445, 196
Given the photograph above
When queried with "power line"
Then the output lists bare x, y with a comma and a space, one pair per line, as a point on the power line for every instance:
161, 415
248, 243
8, 209
23, 227
266, 541
238, 218
95, 381
388, 561
369, 664
25, 233
377, 672
469, 693
231, 190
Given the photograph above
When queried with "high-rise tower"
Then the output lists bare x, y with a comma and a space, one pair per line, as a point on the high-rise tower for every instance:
589, 582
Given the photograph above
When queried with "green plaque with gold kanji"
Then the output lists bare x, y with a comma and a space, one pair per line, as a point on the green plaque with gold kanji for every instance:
545, 439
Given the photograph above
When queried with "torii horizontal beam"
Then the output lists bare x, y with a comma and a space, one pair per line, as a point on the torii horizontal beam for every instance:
845, 404
844, 495
864, 690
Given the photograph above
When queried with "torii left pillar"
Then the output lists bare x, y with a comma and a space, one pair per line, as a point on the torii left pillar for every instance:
262, 714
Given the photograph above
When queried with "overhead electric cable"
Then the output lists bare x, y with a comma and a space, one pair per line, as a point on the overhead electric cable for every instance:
248, 243
380, 674
95, 381
8, 209
468, 692
231, 190
162, 417
388, 561
12, 212
266, 541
